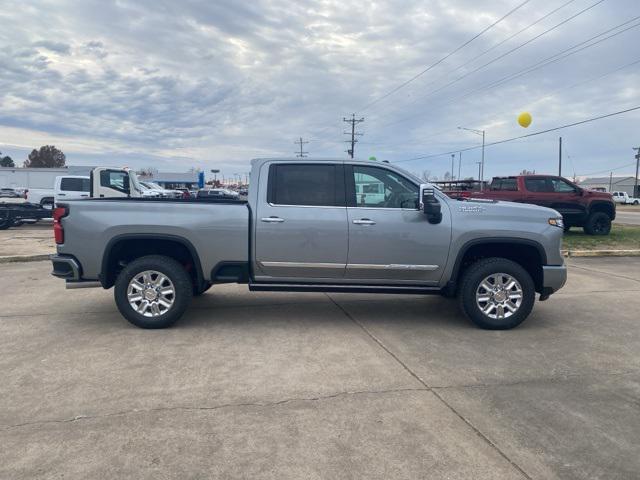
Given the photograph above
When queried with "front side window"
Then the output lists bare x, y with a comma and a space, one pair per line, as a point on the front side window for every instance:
114, 179
560, 186
506, 184
537, 185
381, 188
304, 185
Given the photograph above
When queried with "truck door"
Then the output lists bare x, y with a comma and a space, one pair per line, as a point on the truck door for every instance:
301, 222
390, 239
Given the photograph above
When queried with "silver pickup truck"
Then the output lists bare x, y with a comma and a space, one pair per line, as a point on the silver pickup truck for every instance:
314, 225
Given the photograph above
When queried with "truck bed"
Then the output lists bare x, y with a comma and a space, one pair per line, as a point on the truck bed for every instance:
216, 230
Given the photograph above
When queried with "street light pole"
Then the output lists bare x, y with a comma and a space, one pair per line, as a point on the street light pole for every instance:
482, 173
481, 168
635, 182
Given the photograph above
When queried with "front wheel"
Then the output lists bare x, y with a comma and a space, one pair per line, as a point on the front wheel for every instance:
598, 223
153, 291
496, 294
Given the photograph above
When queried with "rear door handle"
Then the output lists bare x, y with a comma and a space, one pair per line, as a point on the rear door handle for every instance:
62, 194
272, 219
364, 221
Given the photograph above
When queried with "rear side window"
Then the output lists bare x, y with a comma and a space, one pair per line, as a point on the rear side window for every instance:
306, 185
537, 185
508, 184
74, 185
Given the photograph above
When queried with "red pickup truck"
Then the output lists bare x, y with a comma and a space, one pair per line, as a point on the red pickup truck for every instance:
589, 209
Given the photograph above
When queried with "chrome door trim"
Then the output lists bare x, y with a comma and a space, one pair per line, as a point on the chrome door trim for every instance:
393, 266
302, 265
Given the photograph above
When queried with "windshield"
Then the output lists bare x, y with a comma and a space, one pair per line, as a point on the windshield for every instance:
136, 183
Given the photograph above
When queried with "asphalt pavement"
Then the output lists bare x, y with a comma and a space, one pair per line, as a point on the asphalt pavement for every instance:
308, 385
628, 216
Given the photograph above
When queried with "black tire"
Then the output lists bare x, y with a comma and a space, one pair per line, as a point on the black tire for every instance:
598, 223
197, 291
5, 222
476, 274
173, 271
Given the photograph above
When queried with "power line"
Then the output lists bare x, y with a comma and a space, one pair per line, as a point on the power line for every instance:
607, 170
508, 52
549, 95
560, 56
540, 64
600, 117
476, 57
433, 65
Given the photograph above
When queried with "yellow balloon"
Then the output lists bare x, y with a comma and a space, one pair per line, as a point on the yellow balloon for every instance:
524, 119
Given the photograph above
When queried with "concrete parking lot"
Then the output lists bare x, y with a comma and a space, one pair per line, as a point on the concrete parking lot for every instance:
275, 385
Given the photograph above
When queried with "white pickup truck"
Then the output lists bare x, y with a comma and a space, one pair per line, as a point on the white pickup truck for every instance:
624, 198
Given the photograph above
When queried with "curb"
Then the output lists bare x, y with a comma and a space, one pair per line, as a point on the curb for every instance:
600, 253
24, 258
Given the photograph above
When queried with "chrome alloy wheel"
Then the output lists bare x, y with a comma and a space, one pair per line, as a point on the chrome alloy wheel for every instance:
151, 293
499, 296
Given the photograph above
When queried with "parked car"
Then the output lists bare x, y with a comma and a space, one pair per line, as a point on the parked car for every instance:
594, 211
222, 193
184, 192
8, 193
304, 228
625, 199
161, 191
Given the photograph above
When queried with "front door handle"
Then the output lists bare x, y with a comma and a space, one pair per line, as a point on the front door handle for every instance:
272, 219
364, 221
62, 194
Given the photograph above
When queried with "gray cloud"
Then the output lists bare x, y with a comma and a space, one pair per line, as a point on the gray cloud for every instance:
204, 83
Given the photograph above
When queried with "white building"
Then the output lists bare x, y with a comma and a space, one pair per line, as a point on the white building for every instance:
611, 184
15, 177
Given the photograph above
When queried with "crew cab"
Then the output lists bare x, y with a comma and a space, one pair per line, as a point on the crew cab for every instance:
594, 211
314, 225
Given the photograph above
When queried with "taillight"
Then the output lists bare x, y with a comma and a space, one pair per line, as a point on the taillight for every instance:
58, 231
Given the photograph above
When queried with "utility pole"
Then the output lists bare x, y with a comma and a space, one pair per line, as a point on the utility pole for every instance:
635, 182
610, 181
479, 173
560, 156
353, 121
301, 153
459, 164
453, 159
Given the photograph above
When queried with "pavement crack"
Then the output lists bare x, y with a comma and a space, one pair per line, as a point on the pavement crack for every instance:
475, 429
216, 407
603, 272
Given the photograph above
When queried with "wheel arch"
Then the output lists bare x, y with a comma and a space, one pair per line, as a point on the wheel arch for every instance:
139, 245
529, 254
605, 207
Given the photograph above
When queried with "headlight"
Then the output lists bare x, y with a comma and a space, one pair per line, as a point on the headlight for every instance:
556, 222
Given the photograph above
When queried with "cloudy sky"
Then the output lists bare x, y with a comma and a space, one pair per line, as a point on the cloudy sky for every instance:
212, 84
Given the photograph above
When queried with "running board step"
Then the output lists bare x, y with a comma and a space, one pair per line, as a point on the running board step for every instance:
337, 288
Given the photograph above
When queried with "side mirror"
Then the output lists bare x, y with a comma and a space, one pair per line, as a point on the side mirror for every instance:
430, 205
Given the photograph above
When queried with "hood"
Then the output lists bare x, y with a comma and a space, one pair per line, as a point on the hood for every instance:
504, 209
595, 194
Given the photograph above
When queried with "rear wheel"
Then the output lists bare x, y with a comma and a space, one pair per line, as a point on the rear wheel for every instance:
153, 291
496, 294
598, 223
